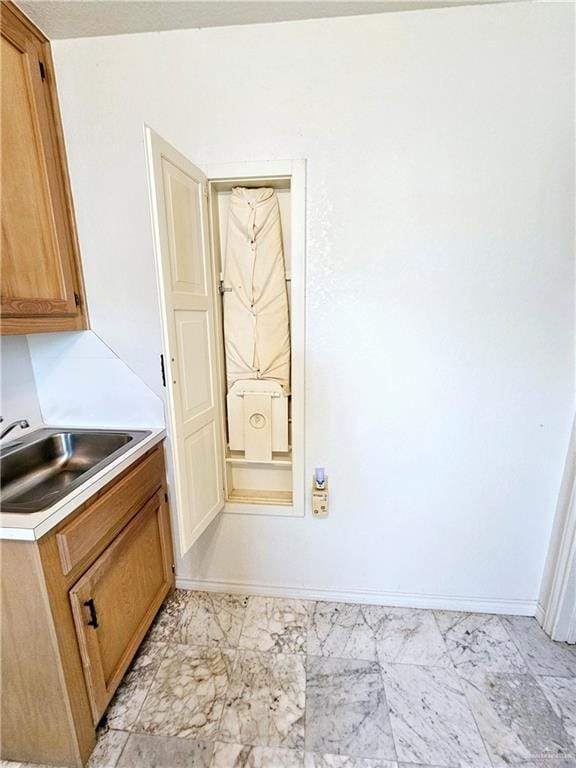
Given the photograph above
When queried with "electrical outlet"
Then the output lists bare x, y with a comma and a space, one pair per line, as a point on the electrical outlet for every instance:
320, 502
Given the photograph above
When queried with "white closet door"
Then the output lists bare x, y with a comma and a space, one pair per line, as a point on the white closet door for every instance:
187, 301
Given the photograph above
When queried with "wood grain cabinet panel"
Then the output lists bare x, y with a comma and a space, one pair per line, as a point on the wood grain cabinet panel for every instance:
96, 526
41, 286
115, 601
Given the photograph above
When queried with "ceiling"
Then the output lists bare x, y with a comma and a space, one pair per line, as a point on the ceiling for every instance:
92, 18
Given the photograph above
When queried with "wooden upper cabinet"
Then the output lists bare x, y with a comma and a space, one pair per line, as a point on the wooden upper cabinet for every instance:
41, 280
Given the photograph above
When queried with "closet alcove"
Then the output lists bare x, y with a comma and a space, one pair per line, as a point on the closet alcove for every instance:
274, 484
235, 423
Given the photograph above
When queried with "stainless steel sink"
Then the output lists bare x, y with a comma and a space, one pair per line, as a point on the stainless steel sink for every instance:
38, 470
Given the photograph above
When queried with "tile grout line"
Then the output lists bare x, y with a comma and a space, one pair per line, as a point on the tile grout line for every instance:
141, 707
554, 643
165, 645
474, 718
379, 661
123, 748
449, 655
392, 731
469, 705
236, 652
309, 610
512, 637
453, 668
274, 654
375, 661
559, 714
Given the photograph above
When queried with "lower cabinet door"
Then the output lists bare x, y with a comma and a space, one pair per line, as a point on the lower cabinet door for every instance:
116, 600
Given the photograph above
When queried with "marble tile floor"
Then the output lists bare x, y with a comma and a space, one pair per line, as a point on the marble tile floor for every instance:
227, 681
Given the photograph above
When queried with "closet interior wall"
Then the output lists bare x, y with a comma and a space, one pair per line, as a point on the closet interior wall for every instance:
249, 482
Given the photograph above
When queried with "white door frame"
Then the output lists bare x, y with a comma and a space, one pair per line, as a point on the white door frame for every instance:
295, 170
557, 610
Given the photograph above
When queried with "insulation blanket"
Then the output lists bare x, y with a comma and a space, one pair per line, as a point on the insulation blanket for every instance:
256, 319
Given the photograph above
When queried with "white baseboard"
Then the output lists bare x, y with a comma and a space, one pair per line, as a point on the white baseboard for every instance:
540, 613
396, 599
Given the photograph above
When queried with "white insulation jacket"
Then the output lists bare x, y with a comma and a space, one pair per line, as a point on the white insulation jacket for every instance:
256, 319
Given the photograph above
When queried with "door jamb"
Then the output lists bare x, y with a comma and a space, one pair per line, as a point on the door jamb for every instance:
557, 609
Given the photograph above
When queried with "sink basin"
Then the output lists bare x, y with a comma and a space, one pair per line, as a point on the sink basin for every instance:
42, 468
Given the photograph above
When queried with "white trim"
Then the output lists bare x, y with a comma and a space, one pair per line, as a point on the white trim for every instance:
295, 170
278, 510
560, 617
558, 596
367, 597
571, 638
245, 169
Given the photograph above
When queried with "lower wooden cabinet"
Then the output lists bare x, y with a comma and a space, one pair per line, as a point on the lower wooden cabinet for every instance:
76, 605
117, 598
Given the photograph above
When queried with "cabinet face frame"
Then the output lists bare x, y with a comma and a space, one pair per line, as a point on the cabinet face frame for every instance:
101, 687
45, 314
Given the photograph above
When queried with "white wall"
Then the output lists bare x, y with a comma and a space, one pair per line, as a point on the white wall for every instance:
72, 379
18, 396
81, 383
440, 302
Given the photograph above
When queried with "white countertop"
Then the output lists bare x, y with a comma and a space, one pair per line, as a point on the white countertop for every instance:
31, 526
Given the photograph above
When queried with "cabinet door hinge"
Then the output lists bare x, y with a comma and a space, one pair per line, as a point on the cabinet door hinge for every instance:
173, 568
163, 370
76, 299
42, 70
166, 498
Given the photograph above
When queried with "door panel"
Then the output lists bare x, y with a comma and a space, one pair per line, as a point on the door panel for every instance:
117, 598
185, 230
196, 364
202, 454
188, 304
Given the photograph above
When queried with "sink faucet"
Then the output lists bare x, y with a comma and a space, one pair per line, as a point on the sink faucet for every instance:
21, 423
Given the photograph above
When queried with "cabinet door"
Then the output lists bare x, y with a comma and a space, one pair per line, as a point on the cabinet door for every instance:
40, 274
116, 600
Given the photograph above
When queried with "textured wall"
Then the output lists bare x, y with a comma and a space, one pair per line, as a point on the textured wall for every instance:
440, 301
18, 396
82, 383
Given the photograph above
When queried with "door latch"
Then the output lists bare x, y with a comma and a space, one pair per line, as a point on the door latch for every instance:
222, 289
